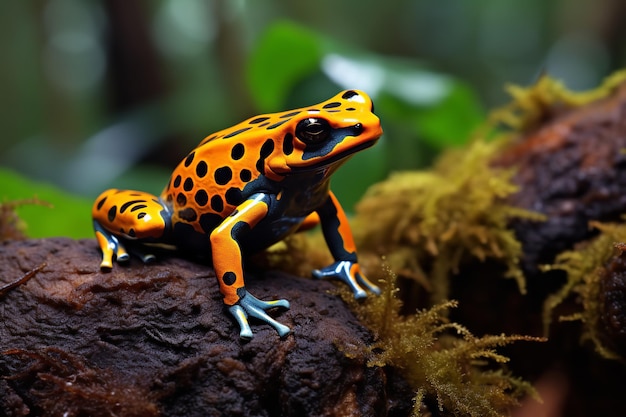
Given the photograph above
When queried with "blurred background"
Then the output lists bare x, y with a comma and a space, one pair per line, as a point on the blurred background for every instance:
108, 93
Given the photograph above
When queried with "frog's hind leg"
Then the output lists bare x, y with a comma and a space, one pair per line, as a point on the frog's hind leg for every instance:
110, 245
132, 216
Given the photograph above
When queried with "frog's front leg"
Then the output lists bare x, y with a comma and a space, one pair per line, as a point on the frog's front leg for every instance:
341, 244
228, 264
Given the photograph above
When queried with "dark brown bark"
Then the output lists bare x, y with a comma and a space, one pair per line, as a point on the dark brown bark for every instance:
155, 340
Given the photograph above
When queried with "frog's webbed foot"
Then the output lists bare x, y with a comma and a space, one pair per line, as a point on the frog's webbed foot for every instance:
350, 273
110, 246
250, 306
113, 248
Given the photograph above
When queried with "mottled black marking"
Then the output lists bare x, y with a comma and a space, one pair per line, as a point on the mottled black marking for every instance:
138, 207
189, 159
332, 105
181, 199
229, 278
170, 198
127, 204
266, 150
188, 184
141, 215
258, 120
201, 169
240, 229
245, 175
288, 115
350, 109
236, 132
209, 221
275, 125
112, 213
202, 198
177, 181
188, 214
101, 203
223, 175
217, 204
264, 124
349, 94
288, 144
237, 152
233, 196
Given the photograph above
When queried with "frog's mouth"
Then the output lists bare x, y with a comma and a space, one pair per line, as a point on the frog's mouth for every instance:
325, 161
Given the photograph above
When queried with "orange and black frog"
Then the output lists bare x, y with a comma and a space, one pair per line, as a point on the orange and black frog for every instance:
245, 188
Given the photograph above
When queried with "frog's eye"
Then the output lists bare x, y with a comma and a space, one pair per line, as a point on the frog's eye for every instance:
313, 130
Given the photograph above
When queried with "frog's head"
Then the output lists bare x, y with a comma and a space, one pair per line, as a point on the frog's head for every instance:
323, 135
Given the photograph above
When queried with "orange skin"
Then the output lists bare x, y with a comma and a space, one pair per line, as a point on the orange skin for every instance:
243, 189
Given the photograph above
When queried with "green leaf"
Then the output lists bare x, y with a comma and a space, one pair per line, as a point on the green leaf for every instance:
68, 215
284, 55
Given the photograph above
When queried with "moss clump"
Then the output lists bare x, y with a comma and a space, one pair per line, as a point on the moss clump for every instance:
584, 267
532, 106
427, 223
442, 361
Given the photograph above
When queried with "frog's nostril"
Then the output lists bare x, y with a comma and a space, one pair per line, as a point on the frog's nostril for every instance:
358, 129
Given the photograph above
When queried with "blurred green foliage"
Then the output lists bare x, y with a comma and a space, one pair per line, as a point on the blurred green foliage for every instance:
111, 93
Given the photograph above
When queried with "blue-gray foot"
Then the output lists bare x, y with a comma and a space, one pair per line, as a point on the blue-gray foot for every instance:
250, 306
349, 273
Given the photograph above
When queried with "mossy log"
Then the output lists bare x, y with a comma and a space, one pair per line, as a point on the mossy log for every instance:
155, 340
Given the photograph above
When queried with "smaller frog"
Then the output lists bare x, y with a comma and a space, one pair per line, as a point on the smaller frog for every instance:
245, 188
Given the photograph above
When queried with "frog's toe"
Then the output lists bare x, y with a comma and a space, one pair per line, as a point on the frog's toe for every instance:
250, 306
349, 273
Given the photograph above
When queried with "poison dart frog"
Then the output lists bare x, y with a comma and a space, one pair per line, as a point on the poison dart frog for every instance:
242, 190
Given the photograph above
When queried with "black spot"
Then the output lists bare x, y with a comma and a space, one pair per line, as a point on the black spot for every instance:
170, 198
188, 214
236, 132
189, 159
237, 152
245, 175
275, 125
229, 278
349, 94
177, 181
258, 120
131, 232
223, 175
266, 150
202, 198
141, 215
188, 185
138, 207
112, 213
217, 204
240, 229
127, 204
101, 203
287, 115
332, 105
209, 221
233, 196
181, 200
350, 109
264, 124
201, 169
288, 144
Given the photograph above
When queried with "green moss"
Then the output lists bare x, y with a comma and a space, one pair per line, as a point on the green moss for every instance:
441, 360
583, 267
531, 106
428, 223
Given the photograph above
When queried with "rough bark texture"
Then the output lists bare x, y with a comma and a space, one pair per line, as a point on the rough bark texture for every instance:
573, 169
155, 340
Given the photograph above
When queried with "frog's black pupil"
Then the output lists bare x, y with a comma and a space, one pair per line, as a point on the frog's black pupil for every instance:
313, 130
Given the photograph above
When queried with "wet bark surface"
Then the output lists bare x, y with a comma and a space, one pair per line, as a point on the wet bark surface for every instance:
156, 340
